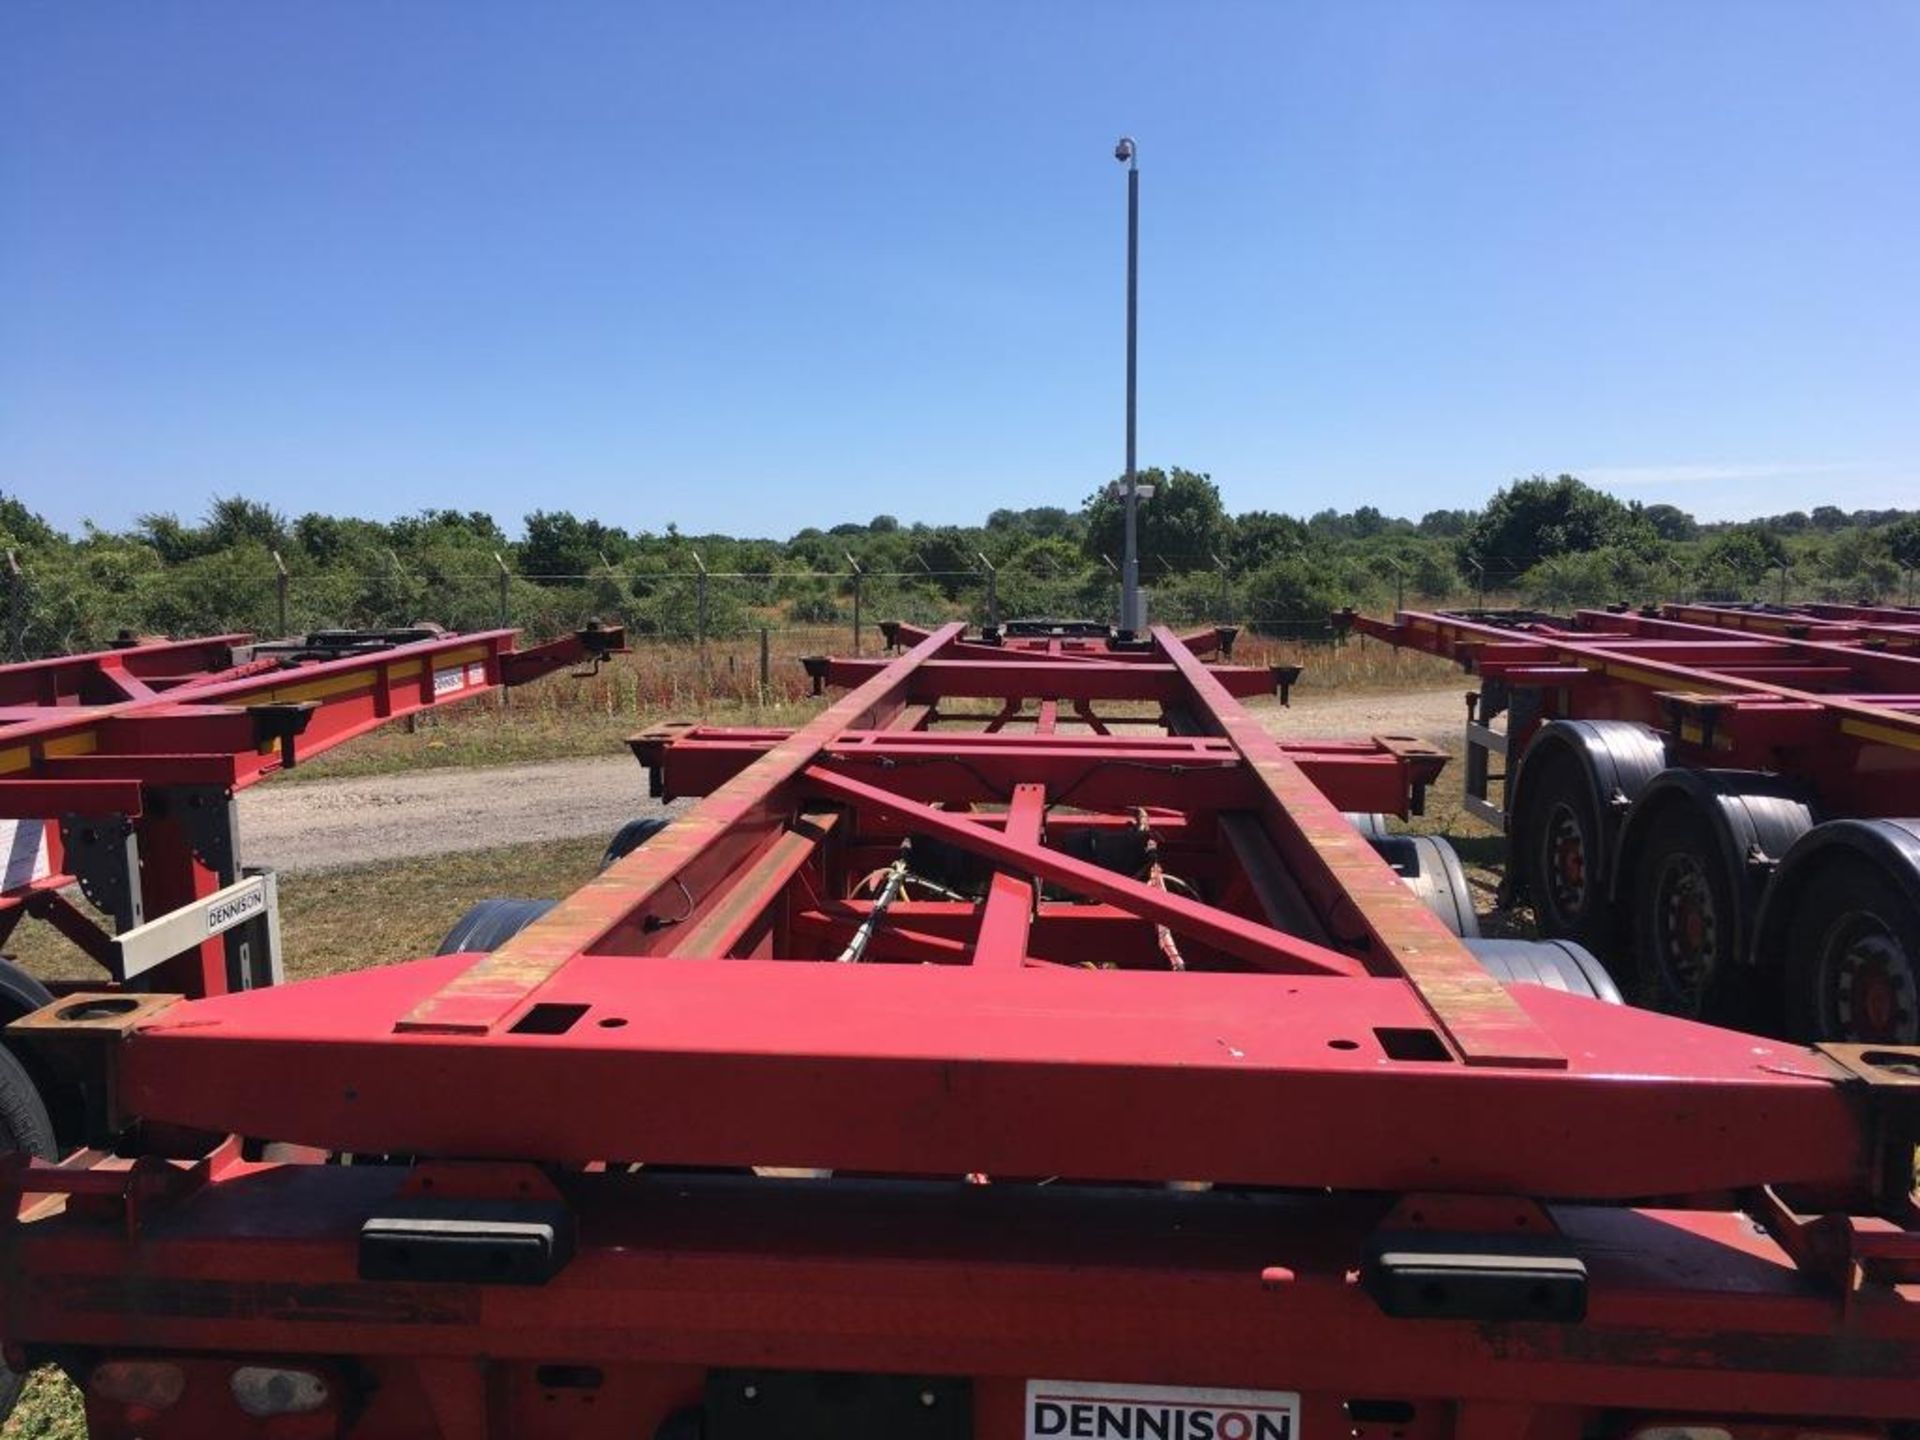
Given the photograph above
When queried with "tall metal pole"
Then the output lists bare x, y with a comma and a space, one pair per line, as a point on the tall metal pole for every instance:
1131, 619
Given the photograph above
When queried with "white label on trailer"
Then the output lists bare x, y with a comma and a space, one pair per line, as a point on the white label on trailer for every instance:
453, 677
23, 851
225, 914
477, 673
1097, 1410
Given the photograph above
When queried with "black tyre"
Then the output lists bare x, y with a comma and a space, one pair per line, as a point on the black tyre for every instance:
20, 993
1686, 924
1852, 969
1368, 822
24, 1125
1431, 867
1565, 852
490, 924
1556, 964
631, 836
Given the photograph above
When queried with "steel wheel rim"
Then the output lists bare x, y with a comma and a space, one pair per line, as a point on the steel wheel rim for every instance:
1564, 862
1869, 984
1686, 929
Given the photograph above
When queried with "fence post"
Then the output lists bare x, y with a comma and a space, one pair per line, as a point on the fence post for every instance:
1783, 582
1226, 591
393, 577
16, 593
857, 576
1480, 581
1399, 586
280, 588
993, 596
766, 672
506, 580
700, 608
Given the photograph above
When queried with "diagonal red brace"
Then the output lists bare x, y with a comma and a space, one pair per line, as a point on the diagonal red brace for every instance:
1248, 940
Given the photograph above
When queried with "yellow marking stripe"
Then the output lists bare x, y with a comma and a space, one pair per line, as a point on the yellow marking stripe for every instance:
406, 669
315, 689
1658, 682
17, 759
1885, 734
84, 743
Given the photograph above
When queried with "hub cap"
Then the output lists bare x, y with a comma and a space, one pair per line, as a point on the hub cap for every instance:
1869, 984
1686, 931
1564, 873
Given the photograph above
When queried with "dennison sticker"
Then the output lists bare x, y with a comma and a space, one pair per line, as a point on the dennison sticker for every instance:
1082, 1410
226, 914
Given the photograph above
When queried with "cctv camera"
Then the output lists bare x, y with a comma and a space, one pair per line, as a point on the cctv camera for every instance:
1123, 152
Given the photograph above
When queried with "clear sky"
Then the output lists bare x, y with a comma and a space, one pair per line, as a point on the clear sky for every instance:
751, 267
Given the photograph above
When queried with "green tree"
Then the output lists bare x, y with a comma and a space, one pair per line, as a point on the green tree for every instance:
1903, 542
1445, 524
21, 527
1260, 537
560, 548
1670, 522
1183, 526
236, 520
1536, 519
1737, 559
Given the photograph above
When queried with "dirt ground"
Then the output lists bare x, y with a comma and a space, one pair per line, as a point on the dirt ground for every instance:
321, 824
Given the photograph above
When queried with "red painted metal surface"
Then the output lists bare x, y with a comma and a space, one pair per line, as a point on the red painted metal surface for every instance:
134, 735
925, 953
1840, 708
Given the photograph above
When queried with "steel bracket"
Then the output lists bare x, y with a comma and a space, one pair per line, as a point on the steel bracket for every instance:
207, 814
103, 854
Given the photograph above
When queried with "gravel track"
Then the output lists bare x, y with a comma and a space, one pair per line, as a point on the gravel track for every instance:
326, 823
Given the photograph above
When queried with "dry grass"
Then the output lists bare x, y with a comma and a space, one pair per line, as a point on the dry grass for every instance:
563, 717
50, 1408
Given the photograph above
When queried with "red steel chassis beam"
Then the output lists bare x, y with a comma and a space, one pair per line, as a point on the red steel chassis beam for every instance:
1896, 627
140, 736
706, 1002
1843, 713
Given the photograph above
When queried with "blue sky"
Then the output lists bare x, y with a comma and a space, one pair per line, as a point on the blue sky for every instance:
756, 266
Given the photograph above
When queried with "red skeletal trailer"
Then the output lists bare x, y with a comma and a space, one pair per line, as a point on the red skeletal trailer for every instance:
1069, 1066
1720, 799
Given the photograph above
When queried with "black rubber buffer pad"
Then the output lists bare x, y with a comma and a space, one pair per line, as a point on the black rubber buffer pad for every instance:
476, 1242
1419, 1275
831, 1405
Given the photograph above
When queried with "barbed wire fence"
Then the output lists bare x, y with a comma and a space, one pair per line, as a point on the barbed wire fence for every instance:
61, 610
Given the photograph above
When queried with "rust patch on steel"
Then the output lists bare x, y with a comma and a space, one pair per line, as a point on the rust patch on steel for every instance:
1482, 1021
490, 991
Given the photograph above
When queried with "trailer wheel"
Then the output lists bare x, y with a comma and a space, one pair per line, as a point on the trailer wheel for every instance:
632, 835
1565, 865
1368, 822
21, 994
1686, 930
1556, 964
1431, 867
24, 1126
1853, 959
490, 924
